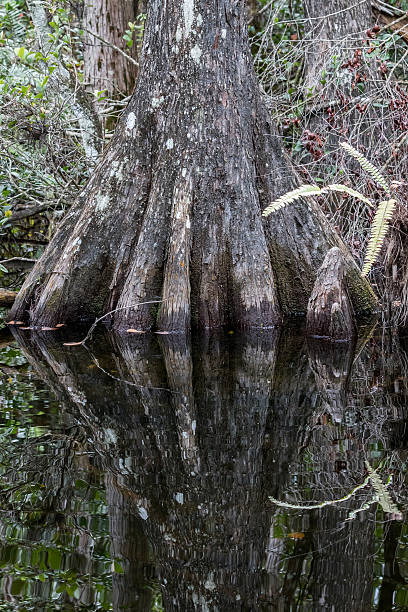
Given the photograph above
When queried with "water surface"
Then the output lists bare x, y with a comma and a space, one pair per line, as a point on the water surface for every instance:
137, 473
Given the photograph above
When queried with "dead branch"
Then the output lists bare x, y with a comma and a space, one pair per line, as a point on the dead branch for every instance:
7, 297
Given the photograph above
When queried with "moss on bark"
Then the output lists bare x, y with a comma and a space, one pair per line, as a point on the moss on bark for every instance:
362, 297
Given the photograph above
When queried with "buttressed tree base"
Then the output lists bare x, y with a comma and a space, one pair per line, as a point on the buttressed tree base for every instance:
173, 210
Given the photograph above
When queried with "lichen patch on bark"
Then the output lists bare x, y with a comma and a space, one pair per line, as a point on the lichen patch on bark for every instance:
130, 121
188, 13
196, 54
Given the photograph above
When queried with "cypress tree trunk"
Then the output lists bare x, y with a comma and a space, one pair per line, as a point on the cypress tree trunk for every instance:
335, 28
174, 207
104, 67
342, 82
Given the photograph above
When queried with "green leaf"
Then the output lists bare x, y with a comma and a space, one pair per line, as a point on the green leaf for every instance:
379, 229
291, 196
366, 165
352, 192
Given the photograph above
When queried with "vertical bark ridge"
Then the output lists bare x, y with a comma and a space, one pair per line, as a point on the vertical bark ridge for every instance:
175, 310
253, 280
145, 278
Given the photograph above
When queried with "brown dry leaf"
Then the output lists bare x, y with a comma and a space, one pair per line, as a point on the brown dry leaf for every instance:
48, 328
60, 325
296, 535
135, 331
163, 333
72, 343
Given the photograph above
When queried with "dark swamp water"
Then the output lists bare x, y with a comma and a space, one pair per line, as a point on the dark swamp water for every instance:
136, 474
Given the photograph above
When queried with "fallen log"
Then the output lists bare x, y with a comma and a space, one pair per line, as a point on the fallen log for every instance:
330, 313
7, 297
18, 263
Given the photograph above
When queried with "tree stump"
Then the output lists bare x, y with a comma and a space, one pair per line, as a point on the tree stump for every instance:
329, 312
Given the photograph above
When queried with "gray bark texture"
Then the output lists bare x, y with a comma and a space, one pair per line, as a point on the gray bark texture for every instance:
173, 209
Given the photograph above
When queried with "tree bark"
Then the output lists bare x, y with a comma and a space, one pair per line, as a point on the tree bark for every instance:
173, 209
105, 68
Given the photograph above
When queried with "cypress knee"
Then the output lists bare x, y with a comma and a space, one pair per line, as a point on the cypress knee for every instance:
330, 313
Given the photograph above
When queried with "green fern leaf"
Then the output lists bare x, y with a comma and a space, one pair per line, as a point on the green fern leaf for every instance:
384, 498
366, 165
291, 196
349, 191
379, 228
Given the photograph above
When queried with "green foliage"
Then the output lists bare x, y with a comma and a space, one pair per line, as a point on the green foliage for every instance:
134, 34
13, 20
366, 165
41, 159
383, 215
379, 229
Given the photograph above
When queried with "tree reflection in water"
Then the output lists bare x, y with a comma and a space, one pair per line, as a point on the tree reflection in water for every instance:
193, 439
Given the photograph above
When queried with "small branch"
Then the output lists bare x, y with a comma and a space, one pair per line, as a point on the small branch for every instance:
18, 263
61, 82
91, 329
383, 7
112, 46
389, 16
28, 212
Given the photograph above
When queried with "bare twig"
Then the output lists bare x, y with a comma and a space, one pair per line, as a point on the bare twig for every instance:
112, 46
91, 329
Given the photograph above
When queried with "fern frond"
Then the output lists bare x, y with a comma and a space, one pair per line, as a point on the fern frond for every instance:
349, 191
366, 165
291, 196
384, 498
379, 228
